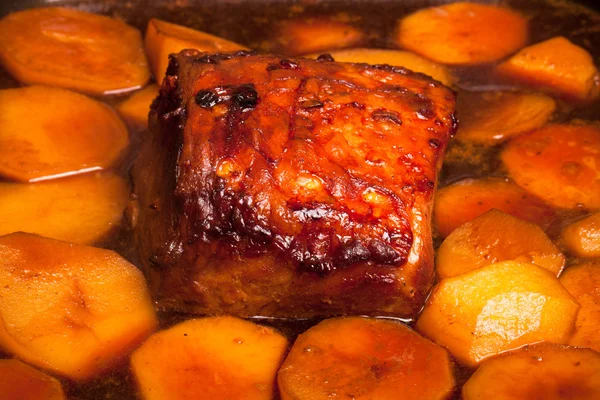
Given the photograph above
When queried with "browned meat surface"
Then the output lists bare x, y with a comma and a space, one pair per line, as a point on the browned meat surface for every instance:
290, 188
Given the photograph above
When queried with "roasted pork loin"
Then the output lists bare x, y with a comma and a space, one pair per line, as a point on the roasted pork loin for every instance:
290, 188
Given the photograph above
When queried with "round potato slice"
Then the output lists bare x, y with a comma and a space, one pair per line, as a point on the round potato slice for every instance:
210, 358
64, 47
558, 163
365, 358
543, 371
79, 209
463, 33
68, 133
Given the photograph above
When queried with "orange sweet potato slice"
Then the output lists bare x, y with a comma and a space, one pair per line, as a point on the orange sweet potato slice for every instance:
465, 200
19, 381
73, 49
136, 108
164, 38
463, 33
365, 358
496, 308
311, 35
67, 134
210, 358
543, 371
397, 58
493, 237
79, 209
582, 238
583, 282
558, 163
75, 310
557, 66
493, 117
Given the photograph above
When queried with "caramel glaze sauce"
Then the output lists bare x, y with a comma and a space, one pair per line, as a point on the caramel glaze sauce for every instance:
253, 24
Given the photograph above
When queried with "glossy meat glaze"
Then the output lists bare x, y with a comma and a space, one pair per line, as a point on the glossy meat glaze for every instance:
290, 188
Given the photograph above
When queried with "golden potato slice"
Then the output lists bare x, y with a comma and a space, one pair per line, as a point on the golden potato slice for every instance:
64, 47
365, 358
67, 134
398, 58
164, 38
558, 163
463, 33
582, 238
557, 66
496, 308
79, 209
493, 237
75, 310
493, 117
543, 371
310, 35
467, 199
19, 381
583, 282
136, 108
210, 358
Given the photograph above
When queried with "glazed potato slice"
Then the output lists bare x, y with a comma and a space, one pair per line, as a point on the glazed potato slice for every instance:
397, 58
136, 108
465, 200
496, 308
582, 238
210, 358
557, 66
72, 309
19, 381
493, 117
164, 38
543, 371
365, 358
311, 35
558, 163
77, 50
493, 237
67, 134
463, 33
79, 209
583, 282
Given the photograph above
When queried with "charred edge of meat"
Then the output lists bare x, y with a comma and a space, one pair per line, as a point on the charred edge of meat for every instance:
218, 57
325, 57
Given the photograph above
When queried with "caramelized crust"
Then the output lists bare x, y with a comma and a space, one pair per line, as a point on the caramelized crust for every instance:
290, 188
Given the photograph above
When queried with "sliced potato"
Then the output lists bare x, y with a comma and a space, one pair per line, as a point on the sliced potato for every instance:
75, 310
463, 33
210, 358
583, 282
582, 238
68, 133
136, 108
311, 35
69, 48
558, 163
493, 117
497, 308
79, 209
557, 66
543, 371
493, 237
465, 200
19, 381
397, 58
164, 38
365, 358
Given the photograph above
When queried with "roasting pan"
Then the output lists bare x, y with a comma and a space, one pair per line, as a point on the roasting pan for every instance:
243, 21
